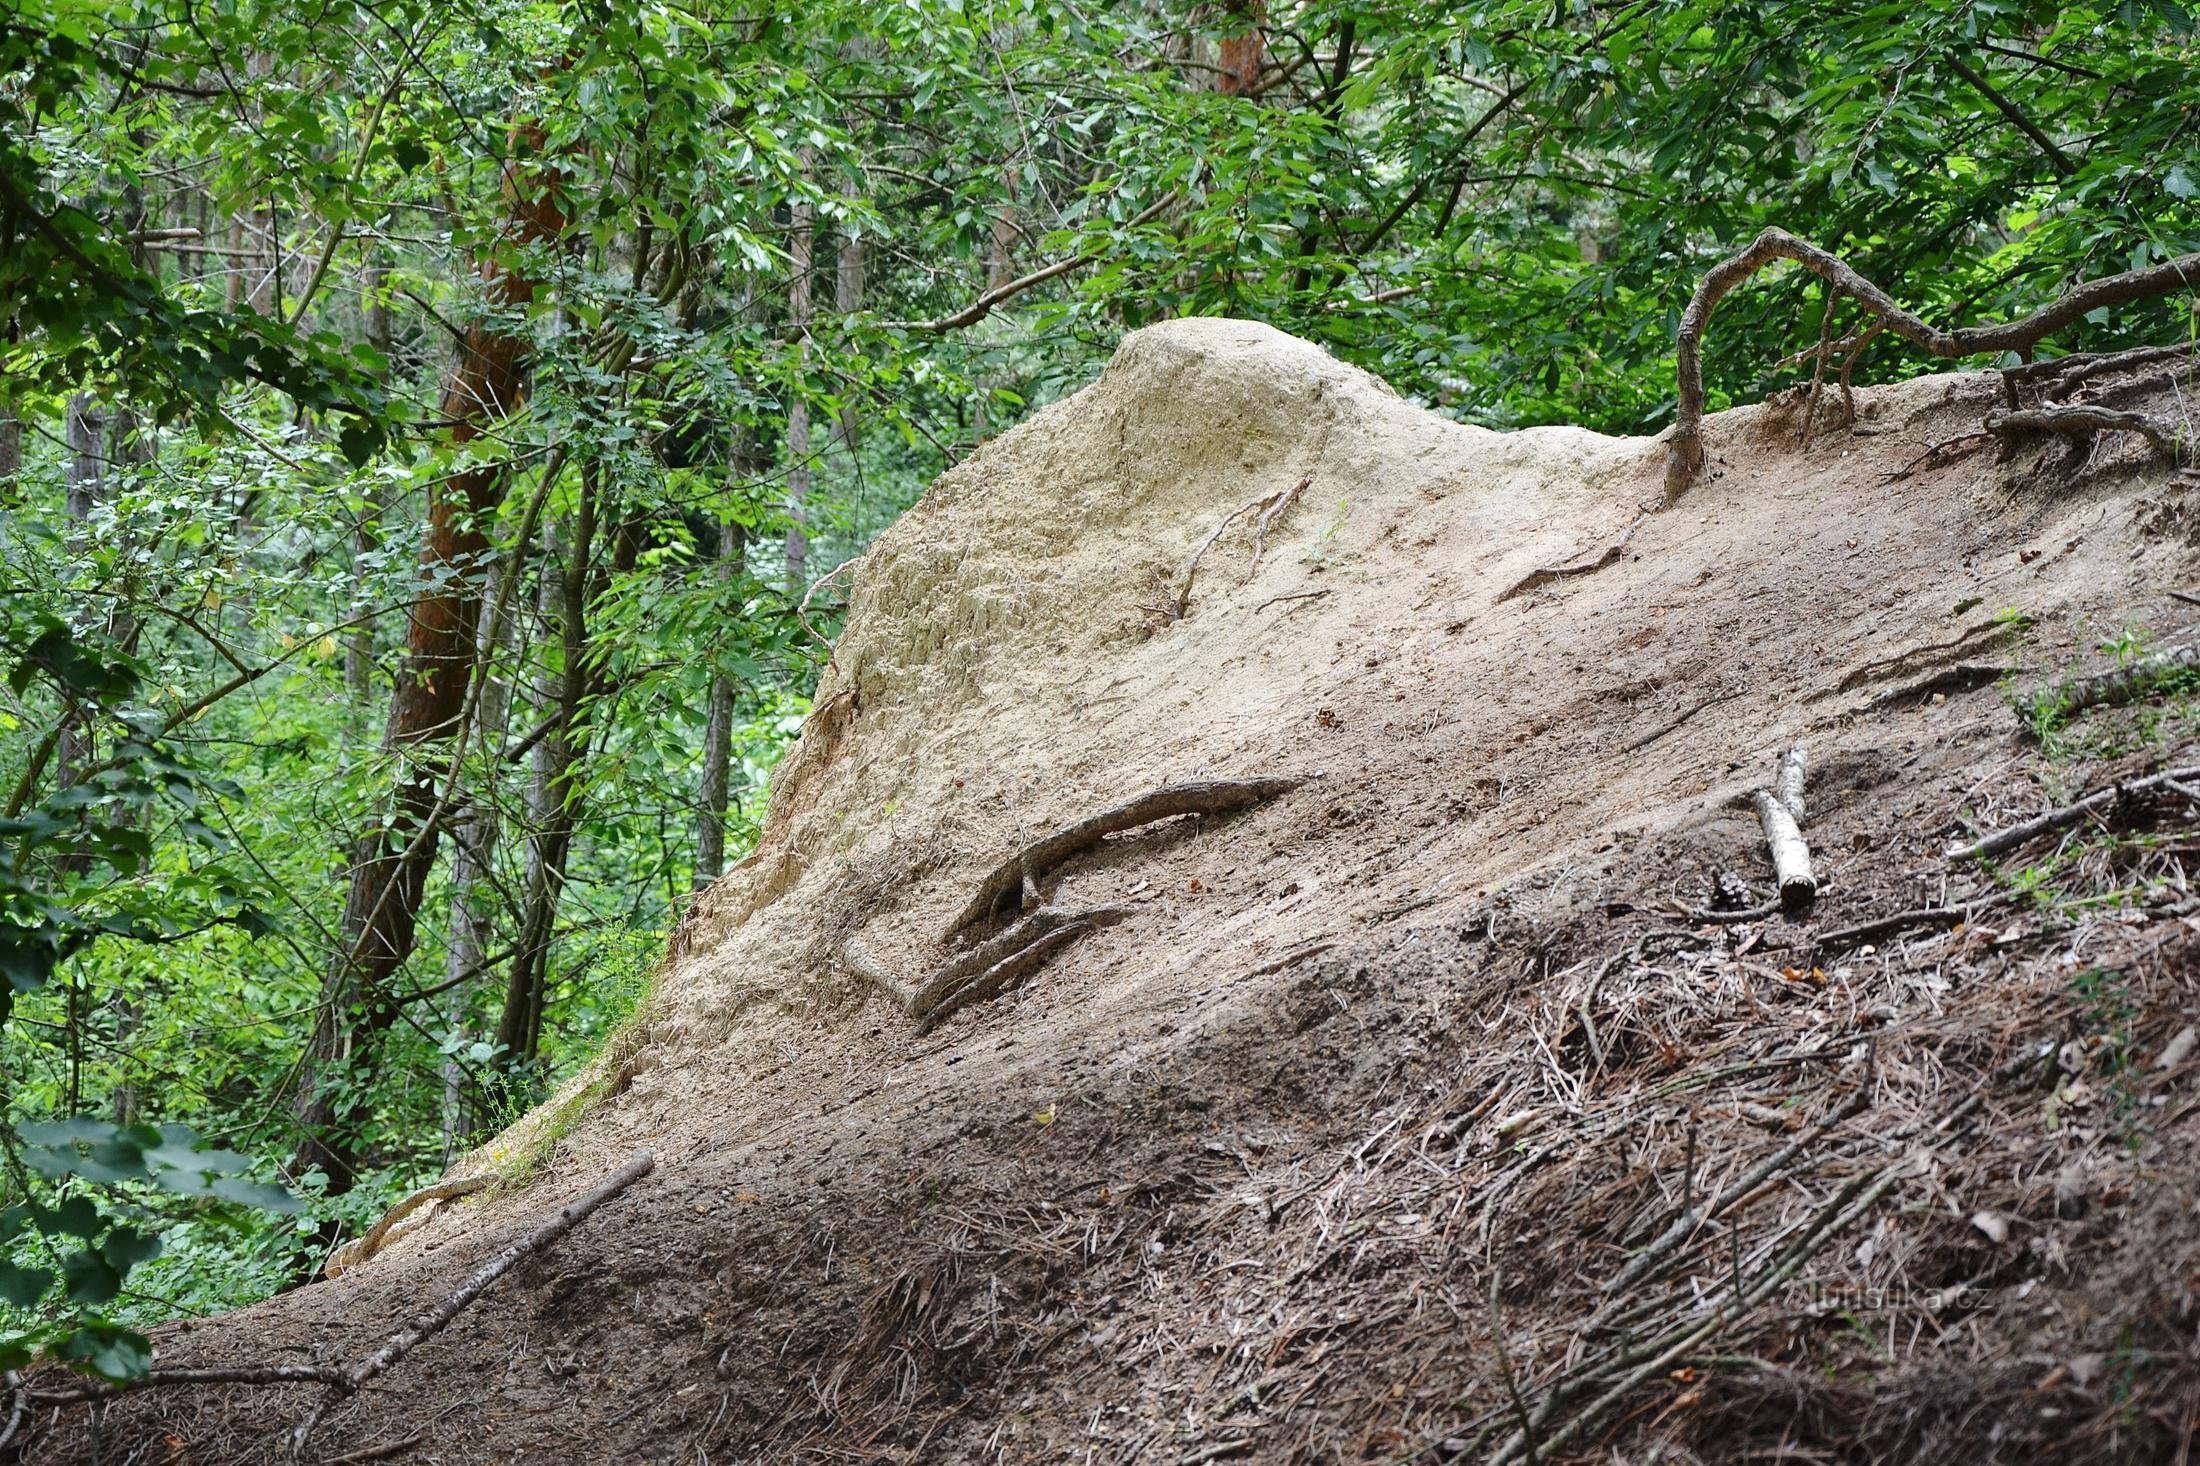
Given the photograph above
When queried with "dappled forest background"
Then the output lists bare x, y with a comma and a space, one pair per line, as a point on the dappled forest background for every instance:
430, 434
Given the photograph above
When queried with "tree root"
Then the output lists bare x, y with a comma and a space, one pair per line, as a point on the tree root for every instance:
2063, 374
357, 1251
1550, 573
1684, 443
2106, 689
986, 969
990, 967
2016, 836
433, 1322
1036, 860
2075, 419
1270, 508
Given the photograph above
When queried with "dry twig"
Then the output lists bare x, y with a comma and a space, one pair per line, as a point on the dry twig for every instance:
2003, 841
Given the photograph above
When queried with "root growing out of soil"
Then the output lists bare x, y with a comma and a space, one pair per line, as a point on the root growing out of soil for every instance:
2079, 419
2124, 684
357, 1251
1684, 444
1035, 861
992, 966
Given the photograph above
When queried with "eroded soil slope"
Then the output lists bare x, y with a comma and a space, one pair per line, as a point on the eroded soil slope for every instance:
1431, 1052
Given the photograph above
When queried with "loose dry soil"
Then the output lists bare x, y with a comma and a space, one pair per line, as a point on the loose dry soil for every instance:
1417, 1057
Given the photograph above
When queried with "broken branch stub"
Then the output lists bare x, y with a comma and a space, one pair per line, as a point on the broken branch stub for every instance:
1790, 855
1684, 443
1043, 855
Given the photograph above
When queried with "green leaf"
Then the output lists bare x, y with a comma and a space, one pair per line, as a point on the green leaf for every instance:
23, 1286
88, 1277
113, 1353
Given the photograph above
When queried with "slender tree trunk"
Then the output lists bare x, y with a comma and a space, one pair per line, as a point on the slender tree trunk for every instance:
801, 237
555, 802
84, 433
474, 841
849, 270
367, 534
710, 835
390, 863
1000, 257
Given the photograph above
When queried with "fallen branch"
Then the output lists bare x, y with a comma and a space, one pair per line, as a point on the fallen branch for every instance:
1957, 914
2123, 684
1684, 444
357, 1251
1550, 573
1781, 814
1036, 860
432, 1322
2015, 836
2086, 417
278, 1374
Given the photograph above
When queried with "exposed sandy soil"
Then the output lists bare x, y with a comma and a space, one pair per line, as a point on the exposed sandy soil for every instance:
1422, 1052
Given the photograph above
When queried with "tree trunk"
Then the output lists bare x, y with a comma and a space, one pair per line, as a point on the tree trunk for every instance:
710, 834
848, 285
390, 864
474, 841
367, 533
554, 803
1242, 56
800, 239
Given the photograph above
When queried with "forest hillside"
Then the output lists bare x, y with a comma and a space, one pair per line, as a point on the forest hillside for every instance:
1269, 947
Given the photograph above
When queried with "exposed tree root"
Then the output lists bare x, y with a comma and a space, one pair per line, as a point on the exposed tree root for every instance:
986, 969
2104, 689
990, 967
1035, 861
1684, 444
997, 978
2059, 376
1550, 573
2080, 418
357, 1251
2003, 841
433, 1322
1270, 508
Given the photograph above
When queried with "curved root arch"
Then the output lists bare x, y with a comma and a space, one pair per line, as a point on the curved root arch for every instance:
1684, 447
